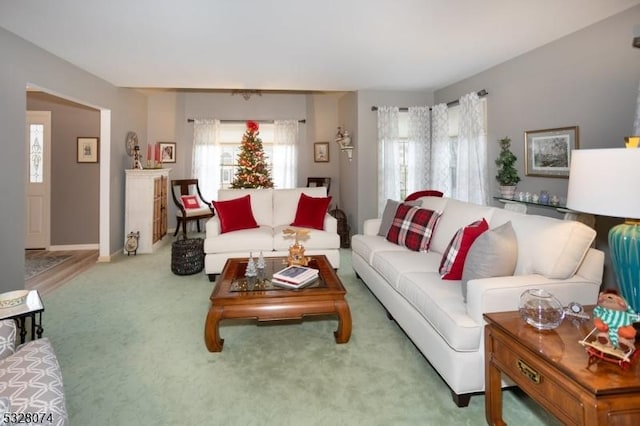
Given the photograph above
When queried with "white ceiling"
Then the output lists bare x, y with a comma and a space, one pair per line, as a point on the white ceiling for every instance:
296, 44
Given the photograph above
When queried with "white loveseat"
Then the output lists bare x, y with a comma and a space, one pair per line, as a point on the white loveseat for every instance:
433, 312
273, 210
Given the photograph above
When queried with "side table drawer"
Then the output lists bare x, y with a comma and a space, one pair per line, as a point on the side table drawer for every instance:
538, 380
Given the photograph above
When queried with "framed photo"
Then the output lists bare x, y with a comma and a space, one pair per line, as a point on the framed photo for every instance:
548, 152
168, 152
321, 152
87, 150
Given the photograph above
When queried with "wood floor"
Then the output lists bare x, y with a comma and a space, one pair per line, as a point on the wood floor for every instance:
49, 280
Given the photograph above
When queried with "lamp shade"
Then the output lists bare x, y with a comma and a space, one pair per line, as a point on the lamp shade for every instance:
605, 182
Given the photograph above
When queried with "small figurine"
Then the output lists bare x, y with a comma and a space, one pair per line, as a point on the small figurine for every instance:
131, 244
614, 319
296, 251
251, 267
137, 162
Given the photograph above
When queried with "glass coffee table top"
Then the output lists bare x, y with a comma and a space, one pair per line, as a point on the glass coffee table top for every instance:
263, 281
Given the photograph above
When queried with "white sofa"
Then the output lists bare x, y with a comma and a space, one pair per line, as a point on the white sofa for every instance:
273, 210
433, 312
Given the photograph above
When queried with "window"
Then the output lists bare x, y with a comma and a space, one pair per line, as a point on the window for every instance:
36, 153
230, 141
403, 133
216, 146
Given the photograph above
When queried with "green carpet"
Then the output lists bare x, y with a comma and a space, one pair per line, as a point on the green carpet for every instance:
129, 336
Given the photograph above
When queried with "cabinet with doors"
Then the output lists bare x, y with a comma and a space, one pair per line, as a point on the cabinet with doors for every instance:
146, 197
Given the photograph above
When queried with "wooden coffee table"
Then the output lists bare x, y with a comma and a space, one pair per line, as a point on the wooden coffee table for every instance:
232, 298
552, 367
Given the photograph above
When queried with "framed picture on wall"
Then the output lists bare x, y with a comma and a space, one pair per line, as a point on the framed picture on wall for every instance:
548, 152
321, 152
87, 150
168, 152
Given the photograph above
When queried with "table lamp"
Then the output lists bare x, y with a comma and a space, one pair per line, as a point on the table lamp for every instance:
606, 182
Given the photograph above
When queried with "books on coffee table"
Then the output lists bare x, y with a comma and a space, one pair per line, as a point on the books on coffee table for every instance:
285, 284
295, 276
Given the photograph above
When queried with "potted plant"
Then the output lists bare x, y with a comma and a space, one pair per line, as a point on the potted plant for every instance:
507, 175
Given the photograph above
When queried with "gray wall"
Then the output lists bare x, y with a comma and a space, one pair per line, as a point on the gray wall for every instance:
25, 64
73, 222
587, 79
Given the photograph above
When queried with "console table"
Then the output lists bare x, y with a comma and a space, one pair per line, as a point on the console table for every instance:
587, 219
553, 369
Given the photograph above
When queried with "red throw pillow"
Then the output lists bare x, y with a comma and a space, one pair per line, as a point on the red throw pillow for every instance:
452, 262
235, 214
190, 202
412, 227
311, 211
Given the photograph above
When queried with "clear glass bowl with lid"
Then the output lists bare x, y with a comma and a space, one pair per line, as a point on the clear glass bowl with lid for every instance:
541, 309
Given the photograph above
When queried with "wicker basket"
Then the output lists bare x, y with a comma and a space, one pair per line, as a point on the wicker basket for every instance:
187, 256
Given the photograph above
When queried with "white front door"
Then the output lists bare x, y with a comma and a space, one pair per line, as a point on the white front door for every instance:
38, 180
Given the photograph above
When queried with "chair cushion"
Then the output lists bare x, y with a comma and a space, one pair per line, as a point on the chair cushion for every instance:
456, 253
316, 239
190, 201
493, 254
235, 214
390, 212
412, 227
200, 211
310, 212
244, 240
32, 380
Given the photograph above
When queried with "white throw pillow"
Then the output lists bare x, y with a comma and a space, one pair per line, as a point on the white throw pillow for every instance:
493, 254
561, 248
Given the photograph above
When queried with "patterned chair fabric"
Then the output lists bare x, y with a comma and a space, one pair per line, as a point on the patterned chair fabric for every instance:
7, 338
31, 379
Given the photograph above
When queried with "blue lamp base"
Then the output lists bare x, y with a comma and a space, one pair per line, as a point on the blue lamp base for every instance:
624, 243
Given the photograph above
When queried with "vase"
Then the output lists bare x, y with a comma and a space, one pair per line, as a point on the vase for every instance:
541, 309
507, 191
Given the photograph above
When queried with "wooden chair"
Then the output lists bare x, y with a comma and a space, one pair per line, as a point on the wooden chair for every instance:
184, 187
319, 181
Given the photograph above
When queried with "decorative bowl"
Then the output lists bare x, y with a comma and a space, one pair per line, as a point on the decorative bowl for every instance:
13, 298
541, 309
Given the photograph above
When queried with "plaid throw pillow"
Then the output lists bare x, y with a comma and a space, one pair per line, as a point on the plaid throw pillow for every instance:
412, 227
452, 262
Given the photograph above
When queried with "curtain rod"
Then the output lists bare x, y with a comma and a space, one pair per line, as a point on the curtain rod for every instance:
191, 120
481, 93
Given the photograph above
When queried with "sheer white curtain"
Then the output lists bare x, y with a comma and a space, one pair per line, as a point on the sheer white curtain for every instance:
285, 153
205, 160
636, 123
388, 156
418, 149
441, 170
471, 168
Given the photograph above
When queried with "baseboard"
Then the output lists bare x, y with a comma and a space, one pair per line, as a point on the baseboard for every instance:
74, 247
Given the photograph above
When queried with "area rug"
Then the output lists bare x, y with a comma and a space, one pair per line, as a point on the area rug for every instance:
37, 265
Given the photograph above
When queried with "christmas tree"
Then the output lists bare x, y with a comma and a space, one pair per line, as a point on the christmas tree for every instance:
252, 171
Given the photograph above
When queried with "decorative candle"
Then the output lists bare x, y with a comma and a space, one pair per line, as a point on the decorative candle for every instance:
148, 152
157, 158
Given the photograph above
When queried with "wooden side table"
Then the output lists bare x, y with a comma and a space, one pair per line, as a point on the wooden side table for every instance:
553, 369
32, 308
